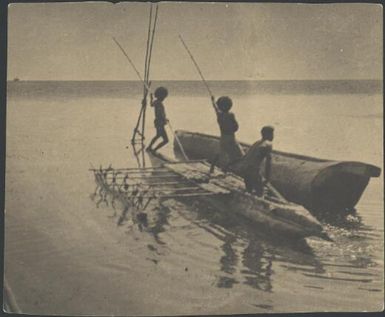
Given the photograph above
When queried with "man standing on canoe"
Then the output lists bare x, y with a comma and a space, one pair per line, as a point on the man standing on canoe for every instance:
249, 166
230, 150
160, 119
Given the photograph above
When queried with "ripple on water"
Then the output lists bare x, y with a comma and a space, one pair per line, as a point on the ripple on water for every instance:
194, 238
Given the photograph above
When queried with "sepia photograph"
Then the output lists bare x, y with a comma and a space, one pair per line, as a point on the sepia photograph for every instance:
193, 158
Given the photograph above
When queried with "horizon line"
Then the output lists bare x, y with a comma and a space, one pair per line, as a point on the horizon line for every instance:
16, 79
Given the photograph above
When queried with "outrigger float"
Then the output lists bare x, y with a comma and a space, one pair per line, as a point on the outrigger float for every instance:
319, 185
137, 187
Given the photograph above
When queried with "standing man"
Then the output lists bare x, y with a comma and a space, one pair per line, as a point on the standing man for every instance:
230, 150
160, 119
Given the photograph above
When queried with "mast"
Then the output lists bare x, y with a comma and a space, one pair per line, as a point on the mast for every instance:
138, 133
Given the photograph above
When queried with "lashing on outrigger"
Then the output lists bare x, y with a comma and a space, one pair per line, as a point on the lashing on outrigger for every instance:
136, 188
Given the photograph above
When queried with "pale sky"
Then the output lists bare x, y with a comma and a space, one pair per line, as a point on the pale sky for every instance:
72, 41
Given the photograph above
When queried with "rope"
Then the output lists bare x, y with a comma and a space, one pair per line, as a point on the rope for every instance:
178, 141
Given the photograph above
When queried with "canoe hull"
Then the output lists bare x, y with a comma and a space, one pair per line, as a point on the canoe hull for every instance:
319, 185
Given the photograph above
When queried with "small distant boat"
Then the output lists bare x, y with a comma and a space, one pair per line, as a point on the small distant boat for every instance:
319, 185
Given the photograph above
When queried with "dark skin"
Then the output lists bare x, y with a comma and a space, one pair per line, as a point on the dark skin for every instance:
268, 137
217, 157
214, 104
219, 112
160, 133
255, 182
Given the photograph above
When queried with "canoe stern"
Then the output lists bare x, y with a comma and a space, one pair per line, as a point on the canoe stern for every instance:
289, 219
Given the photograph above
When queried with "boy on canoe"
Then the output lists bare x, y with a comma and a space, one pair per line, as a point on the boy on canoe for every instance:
160, 119
249, 166
230, 150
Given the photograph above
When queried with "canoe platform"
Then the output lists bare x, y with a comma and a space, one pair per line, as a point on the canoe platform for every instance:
171, 180
187, 181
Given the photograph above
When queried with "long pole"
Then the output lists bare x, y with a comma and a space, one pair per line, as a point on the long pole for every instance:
147, 47
142, 115
198, 69
143, 82
152, 42
148, 63
131, 63
138, 121
178, 141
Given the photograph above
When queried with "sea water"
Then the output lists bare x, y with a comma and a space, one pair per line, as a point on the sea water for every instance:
64, 254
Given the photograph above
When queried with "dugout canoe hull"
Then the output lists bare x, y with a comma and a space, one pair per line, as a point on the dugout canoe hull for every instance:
289, 219
317, 184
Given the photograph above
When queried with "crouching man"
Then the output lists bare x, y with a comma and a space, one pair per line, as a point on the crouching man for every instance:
250, 164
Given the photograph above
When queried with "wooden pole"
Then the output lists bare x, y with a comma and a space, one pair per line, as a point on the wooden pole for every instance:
130, 61
199, 72
178, 141
142, 115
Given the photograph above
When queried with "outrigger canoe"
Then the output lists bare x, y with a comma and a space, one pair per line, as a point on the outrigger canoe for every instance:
317, 184
272, 211
135, 188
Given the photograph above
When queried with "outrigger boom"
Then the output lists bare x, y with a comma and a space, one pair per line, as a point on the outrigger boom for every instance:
184, 180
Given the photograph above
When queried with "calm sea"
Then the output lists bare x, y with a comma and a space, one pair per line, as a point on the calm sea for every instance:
66, 255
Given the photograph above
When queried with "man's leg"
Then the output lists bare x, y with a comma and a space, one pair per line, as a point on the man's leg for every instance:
156, 137
213, 163
258, 185
249, 184
162, 133
149, 147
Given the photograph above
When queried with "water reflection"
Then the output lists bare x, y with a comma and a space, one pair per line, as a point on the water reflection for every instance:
156, 224
249, 251
148, 217
230, 259
259, 263
228, 263
250, 255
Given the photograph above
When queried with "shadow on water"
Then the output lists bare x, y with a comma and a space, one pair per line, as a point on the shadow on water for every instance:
148, 216
158, 223
252, 248
251, 253
248, 250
